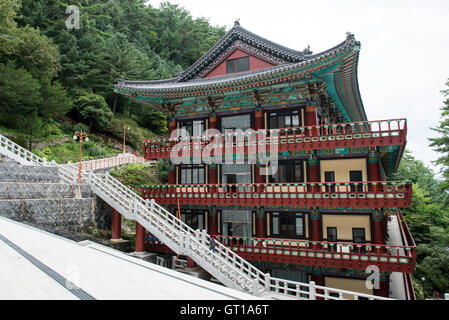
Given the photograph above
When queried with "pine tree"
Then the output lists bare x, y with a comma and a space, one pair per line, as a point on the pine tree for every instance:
441, 143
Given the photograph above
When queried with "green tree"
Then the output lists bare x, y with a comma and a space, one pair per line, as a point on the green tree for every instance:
19, 91
33, 126
94, 110
8, 25
55, 99
441, 143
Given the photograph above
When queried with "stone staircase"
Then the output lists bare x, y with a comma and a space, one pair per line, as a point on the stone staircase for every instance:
35, 195
38, 175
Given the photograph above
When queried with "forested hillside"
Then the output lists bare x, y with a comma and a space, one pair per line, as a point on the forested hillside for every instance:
49, 69
46, 69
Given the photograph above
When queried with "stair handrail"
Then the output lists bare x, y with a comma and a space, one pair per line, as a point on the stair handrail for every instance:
125, 196
14, 148
254, 282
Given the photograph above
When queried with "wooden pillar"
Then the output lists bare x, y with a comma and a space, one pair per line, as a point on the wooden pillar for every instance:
319, 281
212, 121
313, 167
374, 171
378, 230
172, 175
190, 263
140, 238
313, 174
260, 224
384, 287
259, 177
311, 118
212, 174
315, 226
213, 221
258, 120
116, 226
172, 126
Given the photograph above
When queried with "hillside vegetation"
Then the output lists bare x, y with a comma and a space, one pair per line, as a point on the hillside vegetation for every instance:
47, 68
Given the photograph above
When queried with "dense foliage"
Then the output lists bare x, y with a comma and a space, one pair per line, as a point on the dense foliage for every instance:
47, 68
428, 220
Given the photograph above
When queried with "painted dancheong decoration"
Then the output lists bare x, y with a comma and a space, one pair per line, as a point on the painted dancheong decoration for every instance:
326, 213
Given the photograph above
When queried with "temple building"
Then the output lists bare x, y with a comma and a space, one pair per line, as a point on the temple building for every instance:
271, 152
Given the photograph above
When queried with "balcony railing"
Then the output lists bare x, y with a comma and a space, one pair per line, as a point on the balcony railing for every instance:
330, 136
323, 253
385, 194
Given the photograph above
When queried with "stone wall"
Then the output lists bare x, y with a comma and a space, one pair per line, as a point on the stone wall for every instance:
34, 195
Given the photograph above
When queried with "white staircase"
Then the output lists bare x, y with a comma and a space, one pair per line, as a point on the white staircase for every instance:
225, 265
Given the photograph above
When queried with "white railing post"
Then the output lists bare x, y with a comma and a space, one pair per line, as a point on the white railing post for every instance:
256, 286
90, 178
152, 203
312, 290
197, 235
204, 237
187, 243
267, 281
147, 204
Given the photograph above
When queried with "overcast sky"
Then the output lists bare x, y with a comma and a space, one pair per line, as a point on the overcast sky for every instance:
404, 59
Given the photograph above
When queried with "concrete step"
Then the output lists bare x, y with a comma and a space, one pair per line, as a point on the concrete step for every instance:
70, 214
19, 173
20, 190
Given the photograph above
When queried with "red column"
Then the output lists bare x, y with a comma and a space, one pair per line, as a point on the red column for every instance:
315, 226
311, 118
384, 288
374, 171
212, 122
319, 281
258, 121
260, 225
213, 222
172, 175
313, 167
313, 173
259, 177
191, 263
378, 221
172, 127
116, 225
140, 238
212, 174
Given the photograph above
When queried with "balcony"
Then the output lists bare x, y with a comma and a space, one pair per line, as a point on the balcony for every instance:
330, 136
382, 194
327, 254
389, 258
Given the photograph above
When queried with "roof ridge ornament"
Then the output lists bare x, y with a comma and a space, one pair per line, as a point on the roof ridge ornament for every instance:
307, 50
349, 36
237, 22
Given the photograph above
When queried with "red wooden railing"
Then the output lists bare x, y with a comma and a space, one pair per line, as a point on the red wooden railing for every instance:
330, 136
322, 253
385, 194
